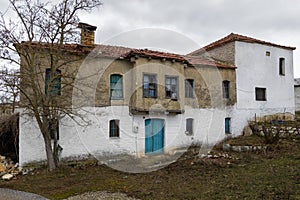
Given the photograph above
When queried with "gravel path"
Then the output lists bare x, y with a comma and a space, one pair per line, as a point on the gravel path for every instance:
101, 195
9, 194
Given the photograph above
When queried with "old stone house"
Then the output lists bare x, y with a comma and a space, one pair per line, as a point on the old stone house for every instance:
140, 101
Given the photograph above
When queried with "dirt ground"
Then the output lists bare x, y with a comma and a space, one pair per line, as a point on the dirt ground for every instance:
270, 174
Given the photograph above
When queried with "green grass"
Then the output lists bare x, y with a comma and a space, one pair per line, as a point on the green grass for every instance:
271, 175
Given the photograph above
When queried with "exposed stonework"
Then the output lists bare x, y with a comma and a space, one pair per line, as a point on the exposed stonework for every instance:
224, 53
87, 34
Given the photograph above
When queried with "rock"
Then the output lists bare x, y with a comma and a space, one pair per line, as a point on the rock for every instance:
7, 177
261, 133
2, 173
236, 148
2, 167
2, 158
247, 131
203, 156
245, 148
226, 147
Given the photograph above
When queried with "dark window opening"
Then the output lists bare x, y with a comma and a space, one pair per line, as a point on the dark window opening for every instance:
189, 88
116, 86
227, 125
281, 66
226, 88
53, 129
171, 87
268, 53
149, 86
260, 94
114, 130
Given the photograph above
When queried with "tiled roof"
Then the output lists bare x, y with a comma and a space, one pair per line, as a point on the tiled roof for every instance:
196, 60
236, 37
98, 49
155, 54
125, 52
192, 60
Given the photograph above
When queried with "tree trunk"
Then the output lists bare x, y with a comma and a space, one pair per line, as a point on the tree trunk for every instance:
50, 157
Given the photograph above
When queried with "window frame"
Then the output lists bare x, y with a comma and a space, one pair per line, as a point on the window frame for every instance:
189, 126
171, 96
189, 85
55, 87
152, 86
227, 127
282, 66
114, 128
226, 89
258, 96
112, 88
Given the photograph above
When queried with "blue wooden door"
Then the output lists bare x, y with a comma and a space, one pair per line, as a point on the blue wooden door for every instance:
154, 140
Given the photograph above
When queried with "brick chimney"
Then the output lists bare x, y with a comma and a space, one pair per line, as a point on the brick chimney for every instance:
87, 33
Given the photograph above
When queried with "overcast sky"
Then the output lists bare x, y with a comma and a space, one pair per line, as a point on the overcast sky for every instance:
183, 26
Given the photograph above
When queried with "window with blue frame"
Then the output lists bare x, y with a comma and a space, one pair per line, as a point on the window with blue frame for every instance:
116, 86
53, 83
114, 130
227, 125
149, 86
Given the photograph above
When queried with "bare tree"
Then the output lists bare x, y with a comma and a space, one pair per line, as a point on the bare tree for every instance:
9, 87
46, 29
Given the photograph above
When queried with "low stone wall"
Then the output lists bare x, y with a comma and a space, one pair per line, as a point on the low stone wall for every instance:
283, 131
246, 148
278, 116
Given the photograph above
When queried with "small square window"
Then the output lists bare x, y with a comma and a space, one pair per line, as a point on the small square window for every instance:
260, 94
114, 130
268, 53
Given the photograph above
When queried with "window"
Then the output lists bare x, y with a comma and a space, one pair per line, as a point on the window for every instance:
226, 87
53, 129
189, 88
116, 86
227, 125
54, 83
260, 94
149, 86
171, 87
282, 66
189, 126
268, 53
114, 130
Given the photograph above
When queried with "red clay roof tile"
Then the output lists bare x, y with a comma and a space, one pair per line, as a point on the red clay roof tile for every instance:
236, 37
118, 51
